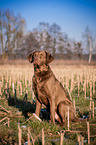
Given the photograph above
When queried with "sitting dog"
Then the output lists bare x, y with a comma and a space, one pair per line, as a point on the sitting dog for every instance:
48, 90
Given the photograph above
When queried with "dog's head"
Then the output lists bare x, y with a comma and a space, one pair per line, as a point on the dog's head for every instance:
40, 58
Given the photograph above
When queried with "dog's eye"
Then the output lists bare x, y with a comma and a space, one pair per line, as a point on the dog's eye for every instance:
35, 55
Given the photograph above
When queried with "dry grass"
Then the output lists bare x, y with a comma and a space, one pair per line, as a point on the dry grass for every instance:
71, 76
55, 62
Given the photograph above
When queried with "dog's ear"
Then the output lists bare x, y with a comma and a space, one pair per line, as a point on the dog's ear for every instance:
49, 57
30, 57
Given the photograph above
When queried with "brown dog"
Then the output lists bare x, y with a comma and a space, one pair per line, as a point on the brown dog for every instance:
48, 90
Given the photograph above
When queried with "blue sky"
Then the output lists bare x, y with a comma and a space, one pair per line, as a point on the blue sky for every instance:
72, 15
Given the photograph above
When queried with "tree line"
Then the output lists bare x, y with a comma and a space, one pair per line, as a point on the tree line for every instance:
44, 37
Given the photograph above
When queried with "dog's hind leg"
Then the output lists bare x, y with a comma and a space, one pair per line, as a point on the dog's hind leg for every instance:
61, 111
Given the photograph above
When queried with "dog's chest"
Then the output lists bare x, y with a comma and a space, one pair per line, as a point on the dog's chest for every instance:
41, 93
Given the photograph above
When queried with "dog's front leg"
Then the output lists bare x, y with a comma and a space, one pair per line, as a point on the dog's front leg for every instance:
52, 109
38, 107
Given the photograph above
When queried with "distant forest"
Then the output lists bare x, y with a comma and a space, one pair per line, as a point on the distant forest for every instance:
16, 43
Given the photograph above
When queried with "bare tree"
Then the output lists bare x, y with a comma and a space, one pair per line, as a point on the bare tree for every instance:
48, 42
11, 31
51, 38
78, 50
30, 43
43, 36
55, 31
1, 34
19, 30
91, 42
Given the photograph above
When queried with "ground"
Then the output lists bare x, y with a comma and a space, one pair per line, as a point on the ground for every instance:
17, 104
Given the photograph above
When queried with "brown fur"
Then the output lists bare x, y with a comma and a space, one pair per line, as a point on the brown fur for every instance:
48, 90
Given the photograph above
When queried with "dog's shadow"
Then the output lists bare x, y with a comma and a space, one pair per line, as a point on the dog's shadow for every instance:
22, 104
25, 106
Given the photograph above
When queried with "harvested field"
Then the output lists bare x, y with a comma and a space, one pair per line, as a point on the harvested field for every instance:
17, 105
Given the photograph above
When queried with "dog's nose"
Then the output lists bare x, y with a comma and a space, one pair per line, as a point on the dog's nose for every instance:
36, 58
